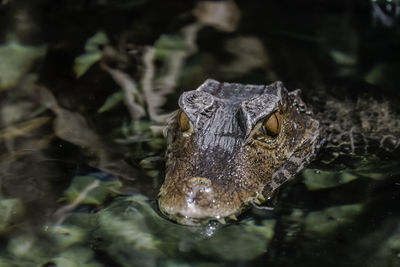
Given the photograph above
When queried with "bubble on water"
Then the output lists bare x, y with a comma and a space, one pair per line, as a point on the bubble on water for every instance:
211, 228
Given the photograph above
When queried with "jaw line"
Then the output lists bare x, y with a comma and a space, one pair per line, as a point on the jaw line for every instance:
187, 220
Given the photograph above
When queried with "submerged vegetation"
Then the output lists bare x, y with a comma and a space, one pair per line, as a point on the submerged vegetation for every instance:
87, 86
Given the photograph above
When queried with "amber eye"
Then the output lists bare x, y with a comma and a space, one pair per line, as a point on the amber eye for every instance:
183, 121
272, 125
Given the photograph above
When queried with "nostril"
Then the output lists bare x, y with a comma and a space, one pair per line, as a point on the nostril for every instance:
199, 185
199, 190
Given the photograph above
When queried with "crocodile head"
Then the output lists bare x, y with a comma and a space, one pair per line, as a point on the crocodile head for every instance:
230, 145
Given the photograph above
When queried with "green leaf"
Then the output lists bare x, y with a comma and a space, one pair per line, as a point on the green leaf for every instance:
85, 61
74, 257
167, 43
330, 219
319, 179
68, 235
92, 189
11, 210
93, 53
93, 43
16, 60
112, 101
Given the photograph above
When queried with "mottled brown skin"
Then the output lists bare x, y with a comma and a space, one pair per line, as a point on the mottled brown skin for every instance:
221, 158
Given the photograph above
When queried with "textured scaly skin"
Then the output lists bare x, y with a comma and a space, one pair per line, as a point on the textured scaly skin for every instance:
224, 163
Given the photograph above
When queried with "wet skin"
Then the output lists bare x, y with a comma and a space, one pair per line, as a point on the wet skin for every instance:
230, 145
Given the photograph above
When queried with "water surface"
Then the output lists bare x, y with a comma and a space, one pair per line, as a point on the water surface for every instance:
86, 87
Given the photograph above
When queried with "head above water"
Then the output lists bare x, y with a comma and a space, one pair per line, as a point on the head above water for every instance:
230, 145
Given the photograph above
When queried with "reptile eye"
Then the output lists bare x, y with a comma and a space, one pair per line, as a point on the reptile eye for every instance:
183, 121
272, 125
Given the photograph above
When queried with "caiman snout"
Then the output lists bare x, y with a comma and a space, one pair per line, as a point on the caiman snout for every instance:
199, 197
198, 200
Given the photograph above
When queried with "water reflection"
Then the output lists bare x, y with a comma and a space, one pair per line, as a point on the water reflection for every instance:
84, 100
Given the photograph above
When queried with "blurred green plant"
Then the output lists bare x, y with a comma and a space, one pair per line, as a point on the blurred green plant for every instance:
11, 212
16, 61
92, 54
92, 189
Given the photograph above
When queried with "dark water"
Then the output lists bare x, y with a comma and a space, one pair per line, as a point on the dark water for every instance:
85, 87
